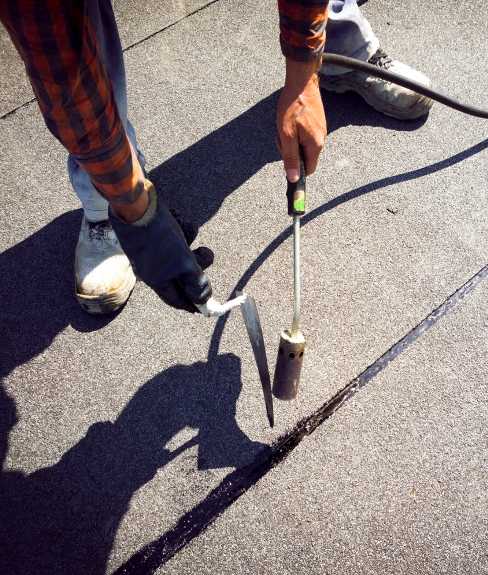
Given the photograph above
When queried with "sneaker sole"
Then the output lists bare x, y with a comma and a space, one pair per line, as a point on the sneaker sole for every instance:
342, 85
107, 303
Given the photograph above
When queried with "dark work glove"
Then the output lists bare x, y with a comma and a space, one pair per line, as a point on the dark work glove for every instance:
159, 253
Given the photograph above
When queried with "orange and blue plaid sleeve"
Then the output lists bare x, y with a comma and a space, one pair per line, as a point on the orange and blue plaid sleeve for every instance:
302, 28
62, 58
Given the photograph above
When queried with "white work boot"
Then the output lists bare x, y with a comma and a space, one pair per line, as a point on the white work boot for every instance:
103, 274
383, 96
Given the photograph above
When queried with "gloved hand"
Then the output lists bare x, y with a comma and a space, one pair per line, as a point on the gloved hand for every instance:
158, 249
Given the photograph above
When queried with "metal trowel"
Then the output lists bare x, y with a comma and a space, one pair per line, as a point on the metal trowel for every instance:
255, 333
253, 325
292, 342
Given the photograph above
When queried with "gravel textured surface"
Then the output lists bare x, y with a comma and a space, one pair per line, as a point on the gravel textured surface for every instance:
137, 21
116, 427
394, 482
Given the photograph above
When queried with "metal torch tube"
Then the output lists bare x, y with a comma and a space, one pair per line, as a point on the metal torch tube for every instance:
295, 328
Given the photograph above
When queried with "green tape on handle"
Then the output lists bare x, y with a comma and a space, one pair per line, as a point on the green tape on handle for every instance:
296, 192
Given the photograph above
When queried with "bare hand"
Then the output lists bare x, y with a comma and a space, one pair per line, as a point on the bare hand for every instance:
300, 119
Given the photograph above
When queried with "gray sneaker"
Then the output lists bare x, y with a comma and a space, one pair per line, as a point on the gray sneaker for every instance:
383, 96
103, 274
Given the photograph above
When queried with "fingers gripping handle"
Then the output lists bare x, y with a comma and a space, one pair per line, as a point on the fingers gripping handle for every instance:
296, 192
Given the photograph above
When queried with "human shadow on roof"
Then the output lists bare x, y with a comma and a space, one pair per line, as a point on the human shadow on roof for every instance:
37, 292
73, 508
37, 286
63, 519
197, 180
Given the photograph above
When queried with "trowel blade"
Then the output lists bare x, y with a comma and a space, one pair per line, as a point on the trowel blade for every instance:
255, 332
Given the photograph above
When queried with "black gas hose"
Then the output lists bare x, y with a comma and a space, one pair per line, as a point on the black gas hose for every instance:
353, 64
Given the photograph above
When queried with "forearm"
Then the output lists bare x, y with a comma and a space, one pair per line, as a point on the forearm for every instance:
302, 29
300, 113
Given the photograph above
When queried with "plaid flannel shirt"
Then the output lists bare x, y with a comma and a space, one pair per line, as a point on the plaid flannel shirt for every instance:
58, 44
302, 28
62, 57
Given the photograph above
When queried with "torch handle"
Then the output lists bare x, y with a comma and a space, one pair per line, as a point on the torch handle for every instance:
295, 327
296, 196
296, 193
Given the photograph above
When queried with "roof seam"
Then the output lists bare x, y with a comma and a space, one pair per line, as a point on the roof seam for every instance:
126, 49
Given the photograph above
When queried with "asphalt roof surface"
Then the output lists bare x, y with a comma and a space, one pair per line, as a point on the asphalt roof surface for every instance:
116, 431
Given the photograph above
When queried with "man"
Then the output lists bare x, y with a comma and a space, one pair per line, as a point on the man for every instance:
73, 57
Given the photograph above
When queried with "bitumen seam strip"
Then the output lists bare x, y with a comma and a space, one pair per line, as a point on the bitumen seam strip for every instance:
148, 559
126, 49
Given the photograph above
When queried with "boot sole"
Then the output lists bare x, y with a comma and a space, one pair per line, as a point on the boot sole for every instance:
109, 302
342, 85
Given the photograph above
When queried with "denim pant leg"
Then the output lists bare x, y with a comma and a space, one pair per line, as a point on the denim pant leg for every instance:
102, 18
348, 34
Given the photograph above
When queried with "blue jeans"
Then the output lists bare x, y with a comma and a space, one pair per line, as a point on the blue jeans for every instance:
348, 33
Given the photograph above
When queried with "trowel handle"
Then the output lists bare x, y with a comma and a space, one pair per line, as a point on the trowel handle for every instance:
296, 191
